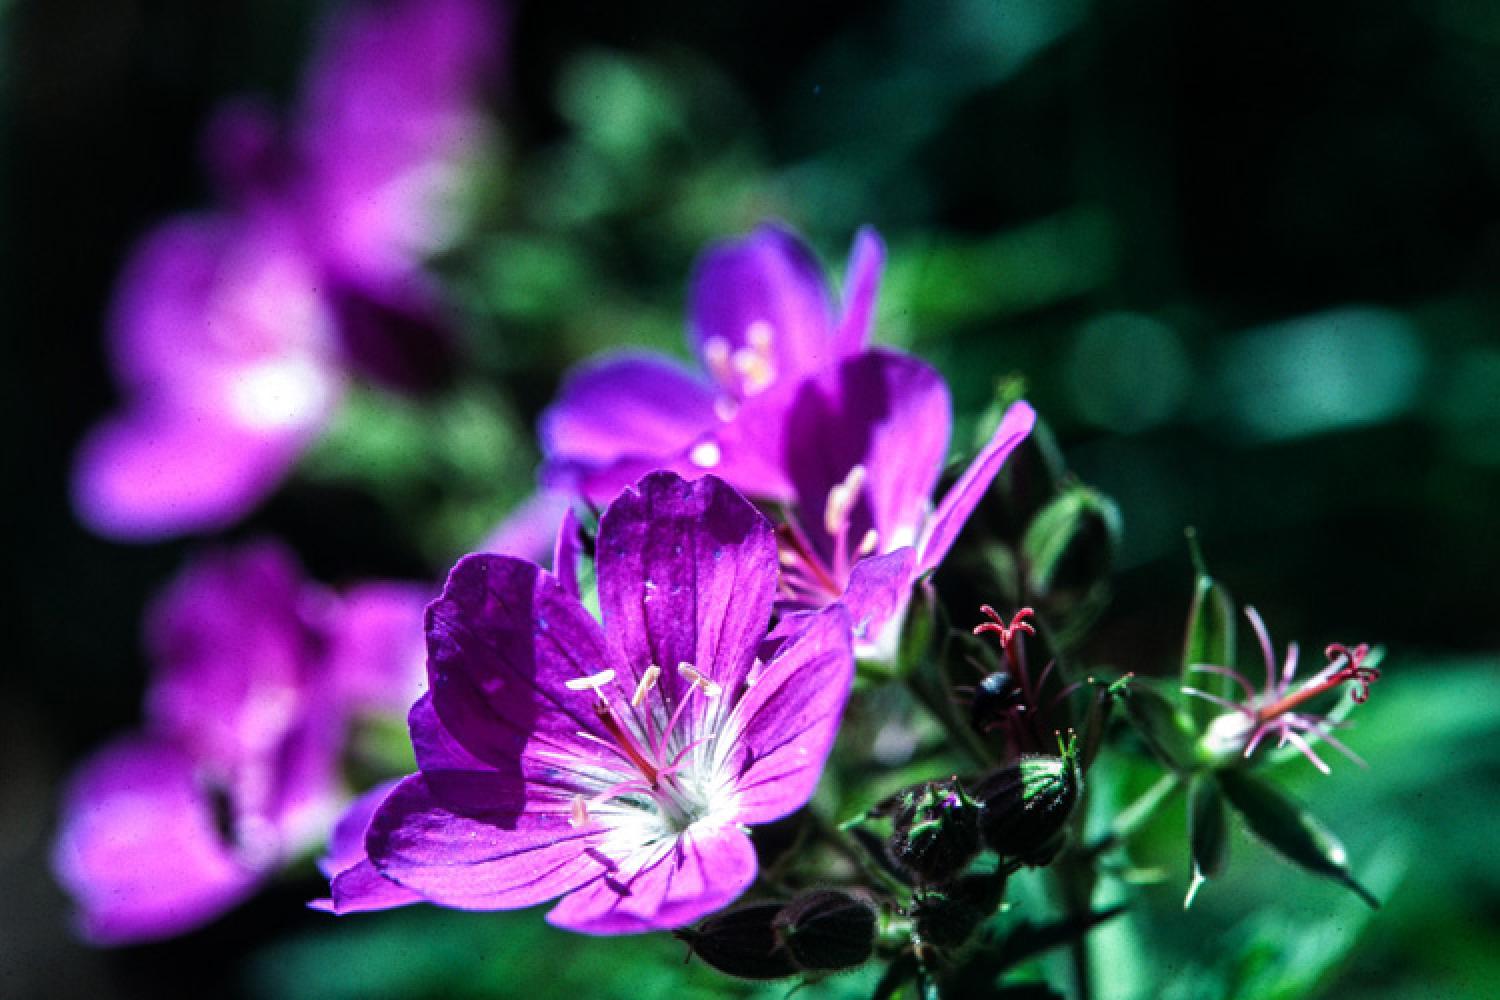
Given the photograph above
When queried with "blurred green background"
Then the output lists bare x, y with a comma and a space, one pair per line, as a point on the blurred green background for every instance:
1244, 257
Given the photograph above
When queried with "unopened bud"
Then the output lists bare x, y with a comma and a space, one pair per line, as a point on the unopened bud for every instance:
1027, 806
947, 918
742, 942
936, 830
826, 930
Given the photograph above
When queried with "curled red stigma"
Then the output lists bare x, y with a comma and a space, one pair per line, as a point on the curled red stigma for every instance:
1005, 633
1355, 670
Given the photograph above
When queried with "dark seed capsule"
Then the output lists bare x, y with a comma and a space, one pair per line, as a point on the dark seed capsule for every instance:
742, 942
936, 830
994, 698
948, 918
1026, 806
827, 930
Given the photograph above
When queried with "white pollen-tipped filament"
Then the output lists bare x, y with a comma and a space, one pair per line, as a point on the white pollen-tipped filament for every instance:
647, 682
692, 675
593, 682
841, 501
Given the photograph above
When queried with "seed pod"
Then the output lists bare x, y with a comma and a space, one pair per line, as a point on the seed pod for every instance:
948, 917
826, 930
936, 830
995, 698
742, 942
1027, 806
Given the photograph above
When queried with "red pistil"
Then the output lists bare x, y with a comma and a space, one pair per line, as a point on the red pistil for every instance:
1352, 670
626, 743
1006, 633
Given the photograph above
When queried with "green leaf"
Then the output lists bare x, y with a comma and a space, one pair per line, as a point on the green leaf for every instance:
1209, 640
1290, 830
1208, 833
1161, 722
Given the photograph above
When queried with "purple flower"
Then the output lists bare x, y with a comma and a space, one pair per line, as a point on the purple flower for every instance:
257, 674
761, 319
615, 766
1279, 709
232, 334
865, 450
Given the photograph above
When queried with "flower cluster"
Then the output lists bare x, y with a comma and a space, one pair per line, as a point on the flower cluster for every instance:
257, 675
233, 333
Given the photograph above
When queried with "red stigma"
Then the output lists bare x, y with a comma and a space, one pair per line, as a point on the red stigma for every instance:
1355, 670
1005, 633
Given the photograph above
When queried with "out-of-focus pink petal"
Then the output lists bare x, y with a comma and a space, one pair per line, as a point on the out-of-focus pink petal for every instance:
949, 518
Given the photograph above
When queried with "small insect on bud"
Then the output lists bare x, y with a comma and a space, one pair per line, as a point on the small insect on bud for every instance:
947, 918
827, 930
995, 698
742, 942
1027, 804
936, 830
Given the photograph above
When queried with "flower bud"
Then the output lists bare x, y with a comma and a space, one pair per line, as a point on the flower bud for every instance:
1027, 806
826, 930
936, 830
742, 942
948, 917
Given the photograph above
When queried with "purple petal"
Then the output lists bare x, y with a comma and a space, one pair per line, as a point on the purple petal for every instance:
878, 591
232, 653
949, 518
765, 285
346, 844
702, 870
138, 848
567, 552
153, 473
502, 642
861, 286
785, 725
389, 117
473, 839
355, 885
436, 748
618, 418
379, 658
687, 574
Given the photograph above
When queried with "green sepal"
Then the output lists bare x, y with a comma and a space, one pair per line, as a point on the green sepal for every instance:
1208, 833
1209, 640
1071, 542
1159, 718
1290, 830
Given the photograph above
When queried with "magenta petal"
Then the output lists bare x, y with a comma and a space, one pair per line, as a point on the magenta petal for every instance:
768, 281
138, 848
436, 748
861, 286
878, 590
530, 530
379, 660
632, 411
567, 553
786, 723
471, 839
502, 642
149, 473
346, 844
687, 574
949, 518
361, 888
702, 870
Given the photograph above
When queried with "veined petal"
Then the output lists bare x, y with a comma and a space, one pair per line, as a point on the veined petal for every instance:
503, 641
784, 727
879, 589
763, 295
355, 885
861, 287
473, 840
687, 574
949, 518
627, 411
138, 847
683, 878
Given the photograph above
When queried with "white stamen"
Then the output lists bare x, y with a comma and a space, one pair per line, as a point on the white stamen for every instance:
716, 357
867, 544
691, 674
648, 681
706, 454
591, 683
841, 500
579, 813
725, 408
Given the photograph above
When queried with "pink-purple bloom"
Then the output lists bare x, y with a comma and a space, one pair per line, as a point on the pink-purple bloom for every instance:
257, 675
615, 764
761, 319
865, 451
233, 333
1280, 709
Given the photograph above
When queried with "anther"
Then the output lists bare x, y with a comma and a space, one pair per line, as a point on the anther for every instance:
647, 682
578, 815
841, 500
593, 682
716, 357
692, 675
867, 544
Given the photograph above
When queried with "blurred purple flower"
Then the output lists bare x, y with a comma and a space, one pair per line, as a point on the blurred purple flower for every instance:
613, 766
1281, 711
257, 675
232, 334
864, 453
761, 319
